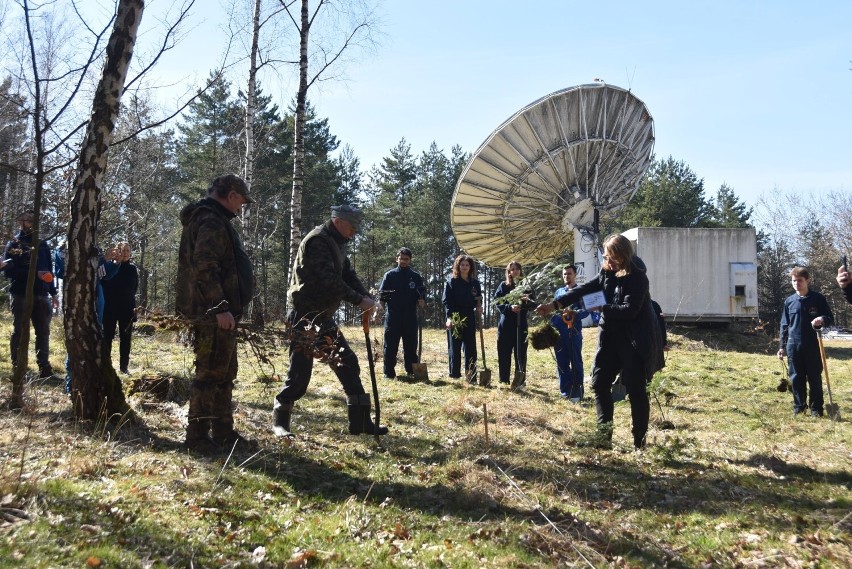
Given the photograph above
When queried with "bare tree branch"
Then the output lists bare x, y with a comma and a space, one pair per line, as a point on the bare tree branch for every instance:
165, 45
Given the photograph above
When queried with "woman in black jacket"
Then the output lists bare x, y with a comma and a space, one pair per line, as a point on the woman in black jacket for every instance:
462, 300
629, 340
120, 307
512, 326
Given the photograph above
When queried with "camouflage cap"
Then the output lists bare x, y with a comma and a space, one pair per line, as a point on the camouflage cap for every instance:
223, 185
348, 213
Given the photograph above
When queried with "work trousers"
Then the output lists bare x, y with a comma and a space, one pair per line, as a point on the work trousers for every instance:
125, 335
511, 340
468, 341
569, 364
804, 365
211, 393
344, 362
616, 354
396, 330
40, 317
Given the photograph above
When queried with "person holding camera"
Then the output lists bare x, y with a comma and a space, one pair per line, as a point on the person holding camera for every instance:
16, 267
844, 279
120, 306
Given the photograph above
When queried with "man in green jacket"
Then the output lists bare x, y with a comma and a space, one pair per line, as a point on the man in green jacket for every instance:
214, 286
321, 278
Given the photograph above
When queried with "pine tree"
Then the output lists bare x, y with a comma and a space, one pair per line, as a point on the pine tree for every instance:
728, 210
670, 195
209, 143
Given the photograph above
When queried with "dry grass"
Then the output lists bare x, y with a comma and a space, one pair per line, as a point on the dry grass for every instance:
736, 482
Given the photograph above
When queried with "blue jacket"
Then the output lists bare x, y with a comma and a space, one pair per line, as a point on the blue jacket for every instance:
461, 296
509, 318
399, 291
796, 317
18, 252
559, 324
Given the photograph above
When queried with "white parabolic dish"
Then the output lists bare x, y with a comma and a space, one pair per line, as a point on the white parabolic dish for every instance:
544, 171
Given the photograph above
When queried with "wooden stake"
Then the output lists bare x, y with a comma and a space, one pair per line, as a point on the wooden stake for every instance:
485, 412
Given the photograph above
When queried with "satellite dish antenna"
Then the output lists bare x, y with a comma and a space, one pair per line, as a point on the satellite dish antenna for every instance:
549, 174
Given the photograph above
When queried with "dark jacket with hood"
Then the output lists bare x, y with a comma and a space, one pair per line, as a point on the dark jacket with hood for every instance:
322, 276
627, 314
18, 252
214, 272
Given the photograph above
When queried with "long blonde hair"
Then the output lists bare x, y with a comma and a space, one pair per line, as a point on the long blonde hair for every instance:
619, 248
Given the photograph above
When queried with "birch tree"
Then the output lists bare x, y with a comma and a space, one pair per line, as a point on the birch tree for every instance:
93, 393
349, 25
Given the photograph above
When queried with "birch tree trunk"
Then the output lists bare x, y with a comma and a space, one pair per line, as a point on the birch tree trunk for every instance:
299, 140
95, 389
249, 212
251, 95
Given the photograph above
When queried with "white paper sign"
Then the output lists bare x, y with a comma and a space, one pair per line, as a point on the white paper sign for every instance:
593, 300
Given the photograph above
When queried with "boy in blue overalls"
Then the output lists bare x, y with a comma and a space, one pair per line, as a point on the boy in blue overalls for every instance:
804, 312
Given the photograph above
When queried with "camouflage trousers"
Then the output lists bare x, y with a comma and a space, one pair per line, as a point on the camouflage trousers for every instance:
210, 396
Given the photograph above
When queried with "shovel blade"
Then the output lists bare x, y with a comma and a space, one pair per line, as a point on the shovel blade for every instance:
484, 377
421, 371
833, 411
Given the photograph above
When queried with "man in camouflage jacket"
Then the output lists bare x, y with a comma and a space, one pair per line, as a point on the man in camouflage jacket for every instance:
215, 284
321, 278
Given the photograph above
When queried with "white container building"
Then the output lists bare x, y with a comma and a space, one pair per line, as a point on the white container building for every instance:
700, 275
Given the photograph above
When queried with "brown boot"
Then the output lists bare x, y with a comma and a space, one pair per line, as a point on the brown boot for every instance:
222, 423
198, 436
198, 424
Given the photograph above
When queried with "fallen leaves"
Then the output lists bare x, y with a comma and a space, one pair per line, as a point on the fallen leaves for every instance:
301, 558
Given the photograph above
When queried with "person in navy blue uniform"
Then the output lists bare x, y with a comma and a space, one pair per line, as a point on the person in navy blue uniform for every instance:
629, 341
463, 297
804, 311
16, 267
512, 327
401, 293
569, 351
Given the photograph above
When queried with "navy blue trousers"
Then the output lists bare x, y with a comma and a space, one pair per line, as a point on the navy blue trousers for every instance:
394, 332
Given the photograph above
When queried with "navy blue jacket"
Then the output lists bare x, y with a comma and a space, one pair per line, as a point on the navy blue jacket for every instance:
559, 324
399, 291
796, 317
509, 318
18, 251
461, 296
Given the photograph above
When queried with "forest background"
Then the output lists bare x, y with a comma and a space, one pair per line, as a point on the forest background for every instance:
165, 156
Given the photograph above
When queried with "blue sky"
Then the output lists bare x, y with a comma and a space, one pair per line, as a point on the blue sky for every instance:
754, 94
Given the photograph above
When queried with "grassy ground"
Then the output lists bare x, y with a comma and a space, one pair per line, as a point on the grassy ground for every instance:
738, 481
